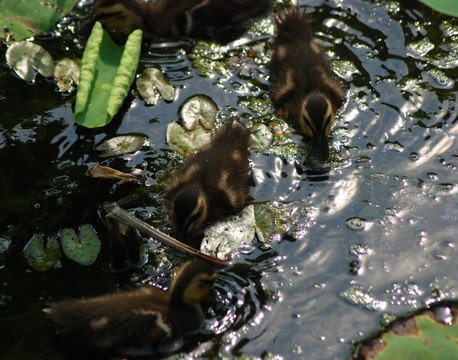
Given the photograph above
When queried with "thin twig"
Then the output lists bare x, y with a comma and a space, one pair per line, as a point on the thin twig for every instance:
127, 218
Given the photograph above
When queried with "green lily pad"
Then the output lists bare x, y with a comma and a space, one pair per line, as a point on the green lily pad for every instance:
28, 18
107, 72
66, 74
151, 79
426, 334
82, 249
41, 256
261, 137
122, 144
449, 7
27, 58
224, 238
199, 109
187, 142
265, 222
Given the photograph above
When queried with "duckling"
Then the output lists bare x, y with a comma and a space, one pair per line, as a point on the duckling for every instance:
174, 18
213, 183
144, 318
302, 81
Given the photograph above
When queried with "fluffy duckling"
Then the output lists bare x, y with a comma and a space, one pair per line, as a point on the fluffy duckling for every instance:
143, 318
213, 183
174, 18
302, 82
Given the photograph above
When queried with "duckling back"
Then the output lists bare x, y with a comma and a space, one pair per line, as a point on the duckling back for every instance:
213, 183
302, 81
174, 18
138, 319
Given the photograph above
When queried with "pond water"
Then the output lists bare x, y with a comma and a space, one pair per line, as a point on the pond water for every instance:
371, 232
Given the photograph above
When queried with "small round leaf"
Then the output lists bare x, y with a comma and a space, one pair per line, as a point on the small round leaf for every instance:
24, 57
199, 109
187, 142
82, 249
150, 79
122, 144
41, 256
66, 74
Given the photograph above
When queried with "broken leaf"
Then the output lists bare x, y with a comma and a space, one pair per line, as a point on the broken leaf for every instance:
261, 137
187, 142
199, 109
265, 222
122, 144
66, 74
224, 238
100, 171
27, 18
82, 248
42, 256
430, 333
26, 58
107, 71
150, 79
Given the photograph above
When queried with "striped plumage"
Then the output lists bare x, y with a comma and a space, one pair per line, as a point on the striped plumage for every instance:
143, 318
174, 18
213, 183
302, 81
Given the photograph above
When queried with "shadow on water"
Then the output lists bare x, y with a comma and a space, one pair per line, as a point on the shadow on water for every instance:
378, 219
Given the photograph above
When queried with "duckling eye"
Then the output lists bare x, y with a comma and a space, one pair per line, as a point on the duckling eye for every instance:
309, 130
192, 221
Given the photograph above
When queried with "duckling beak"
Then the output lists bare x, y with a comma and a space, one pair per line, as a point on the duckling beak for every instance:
322, 148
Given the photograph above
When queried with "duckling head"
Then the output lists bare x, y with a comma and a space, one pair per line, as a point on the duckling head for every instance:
317, 118
193, 285
189, 210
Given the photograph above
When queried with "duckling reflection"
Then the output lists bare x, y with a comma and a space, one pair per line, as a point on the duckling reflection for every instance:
213, 183
174, 18
302, 82
143, 318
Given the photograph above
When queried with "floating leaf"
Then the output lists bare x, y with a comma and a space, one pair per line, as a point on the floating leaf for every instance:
426, 334
26, 58
100, 171
199, 109
265, 222
224, 238
362, 297
150, 79
27, 18
5, 243
82, 249
41, 256
187, 142
107, 71
66, 74
261, 137
122, 144
449, 7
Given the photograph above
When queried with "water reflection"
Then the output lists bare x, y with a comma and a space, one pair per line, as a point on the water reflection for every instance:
393, 165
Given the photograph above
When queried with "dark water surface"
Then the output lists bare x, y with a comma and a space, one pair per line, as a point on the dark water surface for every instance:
371, 232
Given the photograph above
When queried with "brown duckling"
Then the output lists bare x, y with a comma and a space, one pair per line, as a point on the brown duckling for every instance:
174, 18
213, 183
144, 318
302, 81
